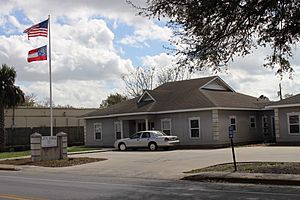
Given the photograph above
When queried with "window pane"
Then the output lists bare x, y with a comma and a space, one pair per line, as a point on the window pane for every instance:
252, 125
97, 128
294, 119
252, 119
118, 127
195, 133
232, 120
265, 119
194, 123
166, 125
294, 128
233, 127
146, 135
137, 135
167, 132
118, 135
98, 136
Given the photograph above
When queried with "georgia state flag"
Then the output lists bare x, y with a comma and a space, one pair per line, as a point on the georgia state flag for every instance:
37, 54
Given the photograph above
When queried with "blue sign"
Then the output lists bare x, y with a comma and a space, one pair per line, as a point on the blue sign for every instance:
230, 131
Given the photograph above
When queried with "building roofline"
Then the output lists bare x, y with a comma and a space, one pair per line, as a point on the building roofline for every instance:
171, 111
284, 106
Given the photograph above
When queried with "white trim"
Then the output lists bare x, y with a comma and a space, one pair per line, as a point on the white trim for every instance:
166, 120
235, 120
217, 77
194, 118
172, 111
284, 106
288, 122
253, 117
141, 97
95, 124
121, 128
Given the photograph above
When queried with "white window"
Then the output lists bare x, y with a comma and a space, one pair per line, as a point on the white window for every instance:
232, 122
294, 123
252, 122
166, 126
265, 124
98, 131
118, 130
194, 125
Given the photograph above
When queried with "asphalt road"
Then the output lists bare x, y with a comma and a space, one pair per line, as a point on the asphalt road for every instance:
172, 164
23, 185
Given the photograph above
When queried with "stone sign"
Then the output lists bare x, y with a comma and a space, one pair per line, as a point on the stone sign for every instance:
49, 141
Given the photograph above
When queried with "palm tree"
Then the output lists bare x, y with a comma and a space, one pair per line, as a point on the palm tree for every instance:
10, 96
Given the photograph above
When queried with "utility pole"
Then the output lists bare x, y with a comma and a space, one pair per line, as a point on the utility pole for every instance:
280, 92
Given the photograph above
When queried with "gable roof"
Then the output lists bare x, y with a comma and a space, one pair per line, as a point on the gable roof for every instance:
182, 96
288, 102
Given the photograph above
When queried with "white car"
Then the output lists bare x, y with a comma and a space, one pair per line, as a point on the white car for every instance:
150, 139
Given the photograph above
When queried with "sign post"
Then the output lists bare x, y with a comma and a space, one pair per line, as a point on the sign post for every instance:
231, 132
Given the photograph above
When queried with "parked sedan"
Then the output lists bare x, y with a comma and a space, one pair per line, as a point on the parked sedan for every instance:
150, 139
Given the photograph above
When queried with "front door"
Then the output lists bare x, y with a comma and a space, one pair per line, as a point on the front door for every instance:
141, 126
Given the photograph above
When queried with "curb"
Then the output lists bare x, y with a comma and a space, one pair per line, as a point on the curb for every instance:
254, 178
8, 168
92, 151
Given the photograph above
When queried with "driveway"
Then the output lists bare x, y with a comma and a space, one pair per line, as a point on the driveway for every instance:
171, 164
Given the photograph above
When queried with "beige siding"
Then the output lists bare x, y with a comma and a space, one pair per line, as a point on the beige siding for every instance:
244, 132
40, 117
283, 125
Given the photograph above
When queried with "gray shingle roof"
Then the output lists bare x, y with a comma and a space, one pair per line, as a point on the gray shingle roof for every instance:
288, 101
181, 95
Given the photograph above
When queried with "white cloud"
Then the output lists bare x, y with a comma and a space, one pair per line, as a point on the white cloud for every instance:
161, 60
77, 53
149, 31
75, 93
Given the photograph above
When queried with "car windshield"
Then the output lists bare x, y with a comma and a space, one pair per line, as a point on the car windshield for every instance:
159, 133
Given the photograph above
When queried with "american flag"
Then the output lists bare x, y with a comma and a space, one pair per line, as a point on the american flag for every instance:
40, 29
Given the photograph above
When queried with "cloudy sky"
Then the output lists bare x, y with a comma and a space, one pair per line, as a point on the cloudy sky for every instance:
94, 42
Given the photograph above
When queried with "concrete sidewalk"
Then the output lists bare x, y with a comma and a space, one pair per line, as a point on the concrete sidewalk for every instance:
255, 178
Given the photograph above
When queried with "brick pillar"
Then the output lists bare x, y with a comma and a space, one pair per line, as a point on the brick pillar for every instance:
35, 146
276, 121
62, 141
215, 125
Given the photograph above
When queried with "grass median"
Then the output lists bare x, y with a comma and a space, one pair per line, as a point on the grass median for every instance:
253, 167
5, 155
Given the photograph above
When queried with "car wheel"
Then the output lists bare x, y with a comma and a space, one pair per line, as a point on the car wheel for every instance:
152, 146
122, 147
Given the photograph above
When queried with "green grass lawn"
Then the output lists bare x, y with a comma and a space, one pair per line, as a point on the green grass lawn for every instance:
14, 154
81, 148
27, 153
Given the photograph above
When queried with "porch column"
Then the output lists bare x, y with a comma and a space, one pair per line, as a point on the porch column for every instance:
146, 124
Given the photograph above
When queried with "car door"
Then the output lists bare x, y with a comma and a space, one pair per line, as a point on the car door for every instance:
134, 140
145, 138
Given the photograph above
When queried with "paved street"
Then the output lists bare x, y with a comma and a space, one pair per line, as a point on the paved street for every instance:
170, 164
22, 185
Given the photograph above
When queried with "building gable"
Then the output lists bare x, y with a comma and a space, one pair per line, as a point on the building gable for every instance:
145, 97
217, 84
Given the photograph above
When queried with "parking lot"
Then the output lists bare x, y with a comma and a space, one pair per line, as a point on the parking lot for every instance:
171, 164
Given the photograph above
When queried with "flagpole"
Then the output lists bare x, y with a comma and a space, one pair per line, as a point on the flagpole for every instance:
50, 78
